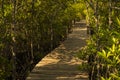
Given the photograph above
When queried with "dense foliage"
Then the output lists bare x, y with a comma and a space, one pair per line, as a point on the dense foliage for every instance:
103, 47
29, 29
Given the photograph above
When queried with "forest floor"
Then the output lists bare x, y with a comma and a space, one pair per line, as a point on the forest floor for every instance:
62, 63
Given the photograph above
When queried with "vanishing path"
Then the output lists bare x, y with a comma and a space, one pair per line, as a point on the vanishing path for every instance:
62, 63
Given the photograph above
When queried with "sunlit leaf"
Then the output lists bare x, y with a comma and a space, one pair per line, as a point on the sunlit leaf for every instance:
118, 21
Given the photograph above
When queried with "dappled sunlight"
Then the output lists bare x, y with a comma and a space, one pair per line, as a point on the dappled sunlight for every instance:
58, 71
62, 63
48, 61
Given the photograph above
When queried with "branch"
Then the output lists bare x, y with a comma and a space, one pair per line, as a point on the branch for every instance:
91, 4
118, 8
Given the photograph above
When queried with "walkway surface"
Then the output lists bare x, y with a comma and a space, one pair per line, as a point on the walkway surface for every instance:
62, 63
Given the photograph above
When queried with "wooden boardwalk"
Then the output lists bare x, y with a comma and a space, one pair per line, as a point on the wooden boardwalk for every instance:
62, 63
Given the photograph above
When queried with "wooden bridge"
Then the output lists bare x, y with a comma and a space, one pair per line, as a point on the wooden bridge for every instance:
62, 63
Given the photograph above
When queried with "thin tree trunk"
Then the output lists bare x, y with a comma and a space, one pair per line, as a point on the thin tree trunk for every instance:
97, 41
13, 41
31, 42
51, 30
110, 13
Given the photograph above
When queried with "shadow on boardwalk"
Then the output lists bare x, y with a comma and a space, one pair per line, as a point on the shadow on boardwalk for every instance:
62, 63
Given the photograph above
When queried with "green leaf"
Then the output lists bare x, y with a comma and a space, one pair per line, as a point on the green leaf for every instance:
109, 54
102, 78
118, 21
115, 76
113, 48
